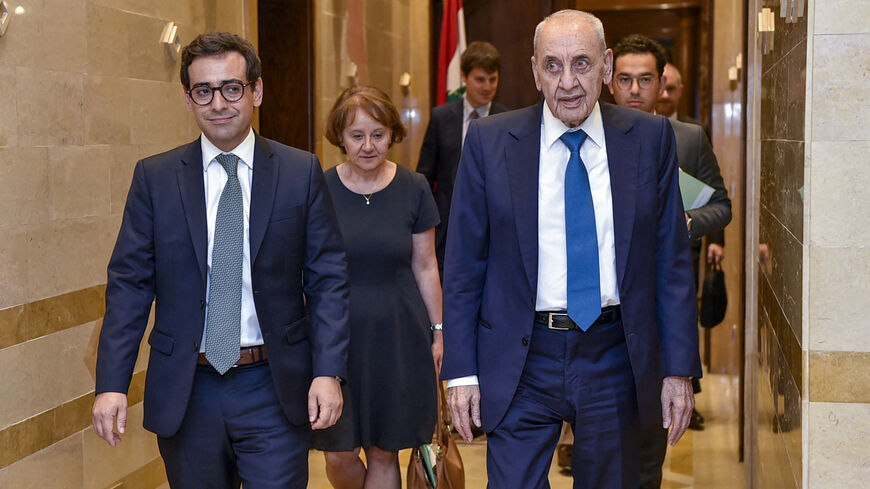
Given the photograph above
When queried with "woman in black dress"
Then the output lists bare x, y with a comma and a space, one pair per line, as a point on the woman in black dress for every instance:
387, 217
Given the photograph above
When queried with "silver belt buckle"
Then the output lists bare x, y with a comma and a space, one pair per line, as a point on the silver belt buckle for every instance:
550, 323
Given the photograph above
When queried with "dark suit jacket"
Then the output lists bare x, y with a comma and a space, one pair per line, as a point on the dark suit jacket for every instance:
439, 159
692, 120
161, 254
491, 267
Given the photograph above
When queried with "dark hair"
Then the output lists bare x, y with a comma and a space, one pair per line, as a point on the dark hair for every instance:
638, 44
375, 102
216, 44
480, 54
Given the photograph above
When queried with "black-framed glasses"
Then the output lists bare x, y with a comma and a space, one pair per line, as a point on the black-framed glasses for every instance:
624, 81
231, 91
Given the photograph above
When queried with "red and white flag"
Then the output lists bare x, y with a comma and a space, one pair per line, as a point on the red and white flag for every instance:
450, 48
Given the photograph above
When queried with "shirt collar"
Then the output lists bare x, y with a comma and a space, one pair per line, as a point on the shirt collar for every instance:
553, 128
245, 151
482, 111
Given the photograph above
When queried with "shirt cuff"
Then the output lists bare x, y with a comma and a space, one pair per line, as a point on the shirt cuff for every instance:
461, 381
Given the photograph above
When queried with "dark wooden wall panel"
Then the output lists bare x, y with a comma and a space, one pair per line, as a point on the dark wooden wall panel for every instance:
286, 41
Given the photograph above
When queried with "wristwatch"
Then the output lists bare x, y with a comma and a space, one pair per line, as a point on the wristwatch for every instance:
437, 327
689, 226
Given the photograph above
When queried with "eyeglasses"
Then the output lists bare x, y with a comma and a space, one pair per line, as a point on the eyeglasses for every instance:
625, 82
231, 91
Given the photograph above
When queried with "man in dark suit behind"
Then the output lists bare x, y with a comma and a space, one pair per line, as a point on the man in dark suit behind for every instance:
638, 80
442, 145
235, 237
567, 287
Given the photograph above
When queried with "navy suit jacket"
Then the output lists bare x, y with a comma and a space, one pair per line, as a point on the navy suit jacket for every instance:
439, 160
491, 267
298, 273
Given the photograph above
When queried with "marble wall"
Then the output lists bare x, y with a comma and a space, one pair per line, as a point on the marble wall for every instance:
393, 40
837, 248
87, 91
779, 259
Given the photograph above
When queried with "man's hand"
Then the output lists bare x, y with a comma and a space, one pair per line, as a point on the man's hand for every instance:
109, 407
464, 402
677, 405
324, 402
715, 253
438, 350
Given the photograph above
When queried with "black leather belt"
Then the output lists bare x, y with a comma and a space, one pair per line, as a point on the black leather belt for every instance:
247, 356
561, 321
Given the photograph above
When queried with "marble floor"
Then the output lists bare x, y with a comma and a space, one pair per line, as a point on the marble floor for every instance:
705, 459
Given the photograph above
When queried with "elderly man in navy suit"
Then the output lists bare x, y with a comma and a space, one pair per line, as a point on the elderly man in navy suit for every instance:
235, 238
568, 288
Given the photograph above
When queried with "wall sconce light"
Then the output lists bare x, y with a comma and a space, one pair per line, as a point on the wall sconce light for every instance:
4, 17
766, 28
170, 41
405, 83
351, 72
791, 10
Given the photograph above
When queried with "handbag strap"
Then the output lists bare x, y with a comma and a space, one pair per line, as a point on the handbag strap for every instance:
441, 424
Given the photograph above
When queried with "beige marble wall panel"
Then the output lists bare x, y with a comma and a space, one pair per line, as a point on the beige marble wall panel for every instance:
840, 178
48, 35
44, 373
69, 255
840, 94
49, 107
838, 456
158, 113
229, 16
107, 40
107, 110
839, 377
147, 57
103, 465
57, 467
9, 121
842, 17
23, 185
78, 181
839, 306
13, 274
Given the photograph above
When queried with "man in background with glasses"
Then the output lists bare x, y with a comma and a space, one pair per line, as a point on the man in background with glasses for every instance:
235, 237
638, 80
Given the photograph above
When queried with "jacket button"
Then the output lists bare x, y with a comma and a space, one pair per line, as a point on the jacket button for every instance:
525, 341
202, 304
196, 345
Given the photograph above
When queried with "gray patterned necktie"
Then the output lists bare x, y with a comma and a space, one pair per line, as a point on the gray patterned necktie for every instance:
223, 324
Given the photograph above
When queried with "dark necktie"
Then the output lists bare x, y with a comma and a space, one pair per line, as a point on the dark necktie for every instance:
223, 323
584, 289
474, 114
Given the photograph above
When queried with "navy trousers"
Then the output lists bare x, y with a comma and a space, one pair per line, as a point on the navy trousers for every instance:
234, 431
583, 378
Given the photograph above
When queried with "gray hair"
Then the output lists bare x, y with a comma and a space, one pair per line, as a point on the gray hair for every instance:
569, 14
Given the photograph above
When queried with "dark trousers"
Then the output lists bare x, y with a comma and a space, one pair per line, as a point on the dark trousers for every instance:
234, 431
583, 378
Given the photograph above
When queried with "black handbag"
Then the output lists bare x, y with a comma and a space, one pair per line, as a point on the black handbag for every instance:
714, 297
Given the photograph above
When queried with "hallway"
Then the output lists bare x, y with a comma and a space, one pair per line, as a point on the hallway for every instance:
702, 460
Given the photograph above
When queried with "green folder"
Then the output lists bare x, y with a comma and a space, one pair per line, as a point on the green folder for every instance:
427, 453
695, 192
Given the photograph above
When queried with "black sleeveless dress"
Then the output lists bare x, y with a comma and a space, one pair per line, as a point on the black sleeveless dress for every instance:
390, 397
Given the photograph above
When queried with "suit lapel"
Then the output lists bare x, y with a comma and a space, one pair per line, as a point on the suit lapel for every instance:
622, 159
263, 189
522, 156
192, 188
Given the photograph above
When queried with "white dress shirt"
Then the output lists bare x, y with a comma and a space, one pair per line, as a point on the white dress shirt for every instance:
552, 293
215, 178
467, 109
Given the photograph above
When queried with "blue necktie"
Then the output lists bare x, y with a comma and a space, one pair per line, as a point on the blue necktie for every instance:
584, 290
223, 322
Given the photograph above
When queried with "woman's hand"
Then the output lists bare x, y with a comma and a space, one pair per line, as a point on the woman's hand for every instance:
437, 350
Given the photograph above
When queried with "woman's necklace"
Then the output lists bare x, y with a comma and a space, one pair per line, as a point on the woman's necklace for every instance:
368, 198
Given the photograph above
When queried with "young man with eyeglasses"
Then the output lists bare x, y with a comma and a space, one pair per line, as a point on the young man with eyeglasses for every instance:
235, 238
638, 80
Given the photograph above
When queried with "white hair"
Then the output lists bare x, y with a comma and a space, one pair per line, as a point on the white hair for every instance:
569, 14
